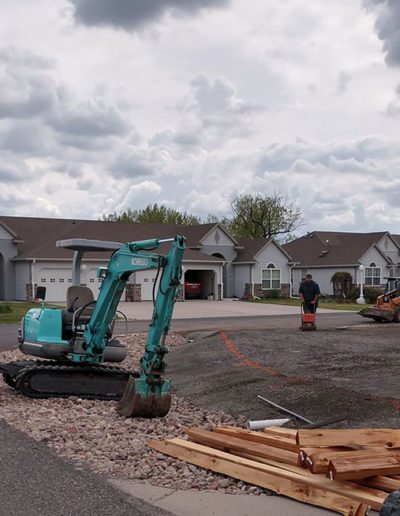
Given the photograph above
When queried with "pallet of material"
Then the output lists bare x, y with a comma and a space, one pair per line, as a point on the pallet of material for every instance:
270, 459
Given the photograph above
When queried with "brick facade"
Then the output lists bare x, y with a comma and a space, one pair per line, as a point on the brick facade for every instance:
259, 292
133, 292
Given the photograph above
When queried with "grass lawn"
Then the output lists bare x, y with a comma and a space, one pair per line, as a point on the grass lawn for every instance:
18, 310
321, 304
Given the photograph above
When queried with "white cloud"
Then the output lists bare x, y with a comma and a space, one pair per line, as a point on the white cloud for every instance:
208, 99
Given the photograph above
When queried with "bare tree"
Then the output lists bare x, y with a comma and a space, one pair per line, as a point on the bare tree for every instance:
263, 216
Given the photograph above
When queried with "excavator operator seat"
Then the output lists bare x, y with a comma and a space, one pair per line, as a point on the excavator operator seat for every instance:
77, 298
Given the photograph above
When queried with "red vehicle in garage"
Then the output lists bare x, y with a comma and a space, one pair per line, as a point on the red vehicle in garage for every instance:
193, 290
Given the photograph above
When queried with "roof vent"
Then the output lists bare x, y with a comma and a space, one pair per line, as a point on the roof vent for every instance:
323, 254
326, 241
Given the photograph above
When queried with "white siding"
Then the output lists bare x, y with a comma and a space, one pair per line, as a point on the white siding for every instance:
22, 278
4, 234
241, 277
374, 256
272, 254
323, 277
389, 248
217, 237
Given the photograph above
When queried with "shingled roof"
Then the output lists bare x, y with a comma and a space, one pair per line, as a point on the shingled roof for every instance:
37, 236
249, 248
328, 248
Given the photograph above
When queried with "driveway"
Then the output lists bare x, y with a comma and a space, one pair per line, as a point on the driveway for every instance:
212, 309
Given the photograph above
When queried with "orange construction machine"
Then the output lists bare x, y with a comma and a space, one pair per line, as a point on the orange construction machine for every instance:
387, 306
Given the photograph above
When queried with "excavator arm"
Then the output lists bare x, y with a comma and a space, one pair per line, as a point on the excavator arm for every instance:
150, 394
131, 257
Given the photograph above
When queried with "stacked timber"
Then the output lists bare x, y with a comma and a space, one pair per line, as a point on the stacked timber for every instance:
347, 471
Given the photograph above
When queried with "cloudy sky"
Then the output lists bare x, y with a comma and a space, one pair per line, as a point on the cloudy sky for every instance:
111, 104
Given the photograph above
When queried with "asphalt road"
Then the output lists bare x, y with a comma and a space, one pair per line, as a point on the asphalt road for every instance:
35, 481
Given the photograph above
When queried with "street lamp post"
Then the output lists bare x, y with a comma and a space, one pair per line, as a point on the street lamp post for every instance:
361, 300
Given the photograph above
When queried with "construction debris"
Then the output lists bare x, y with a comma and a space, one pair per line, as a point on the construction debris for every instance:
347, 471
265, 423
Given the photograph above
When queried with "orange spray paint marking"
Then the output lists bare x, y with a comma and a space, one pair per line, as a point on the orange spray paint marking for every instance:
255, 365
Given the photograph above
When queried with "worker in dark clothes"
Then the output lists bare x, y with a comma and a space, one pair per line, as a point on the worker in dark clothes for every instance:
309, 293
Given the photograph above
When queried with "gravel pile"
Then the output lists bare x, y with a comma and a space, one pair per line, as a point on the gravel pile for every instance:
92, 433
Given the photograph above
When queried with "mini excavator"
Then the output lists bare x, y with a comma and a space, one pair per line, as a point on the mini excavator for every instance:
73, 344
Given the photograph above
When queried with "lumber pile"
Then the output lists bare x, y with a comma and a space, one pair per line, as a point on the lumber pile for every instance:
346, 471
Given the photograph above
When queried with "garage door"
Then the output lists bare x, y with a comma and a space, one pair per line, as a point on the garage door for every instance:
89, 279
146, 279
56, 282
92, 281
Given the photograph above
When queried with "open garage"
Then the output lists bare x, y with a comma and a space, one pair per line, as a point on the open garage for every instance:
200, 284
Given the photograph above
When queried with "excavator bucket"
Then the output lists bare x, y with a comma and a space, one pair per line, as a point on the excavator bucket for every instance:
377, 314
143, 400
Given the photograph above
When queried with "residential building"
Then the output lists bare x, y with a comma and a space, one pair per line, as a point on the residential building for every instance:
29, 258
322, 253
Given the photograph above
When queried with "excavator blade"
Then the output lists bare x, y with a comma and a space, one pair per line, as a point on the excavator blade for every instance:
143, 400
377, 314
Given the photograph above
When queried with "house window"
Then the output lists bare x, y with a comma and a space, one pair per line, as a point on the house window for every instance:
52, 280
91, 280
69, 280
373, 275
270, 277
61, 280
43, 280
303, 273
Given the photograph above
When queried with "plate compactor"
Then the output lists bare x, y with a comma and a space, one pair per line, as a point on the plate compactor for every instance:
73, 344
307, 320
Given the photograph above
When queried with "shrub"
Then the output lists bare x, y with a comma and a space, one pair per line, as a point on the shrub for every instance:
5, 308
371, 293
354, 293
272, 294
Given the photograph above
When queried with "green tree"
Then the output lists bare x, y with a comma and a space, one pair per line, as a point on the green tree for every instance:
263, 216
154, 213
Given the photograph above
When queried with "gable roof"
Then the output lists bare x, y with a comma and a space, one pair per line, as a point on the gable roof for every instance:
328, 248
248, 249
221, 228
37, 236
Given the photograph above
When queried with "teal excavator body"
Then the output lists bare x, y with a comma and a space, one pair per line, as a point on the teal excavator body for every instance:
77, 341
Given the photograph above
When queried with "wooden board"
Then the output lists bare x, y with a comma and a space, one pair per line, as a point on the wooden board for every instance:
228, 443
386, 484
367, 495
243, 470
349, 437
383, 483
288, 433
318, 460
309, 457
354, 469
284, 443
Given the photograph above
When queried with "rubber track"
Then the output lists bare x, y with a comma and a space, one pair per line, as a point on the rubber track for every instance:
40, 366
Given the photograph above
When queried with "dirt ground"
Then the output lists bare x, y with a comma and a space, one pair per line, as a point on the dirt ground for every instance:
349, 371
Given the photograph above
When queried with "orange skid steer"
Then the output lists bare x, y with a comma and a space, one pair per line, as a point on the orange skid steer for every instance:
387, 306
